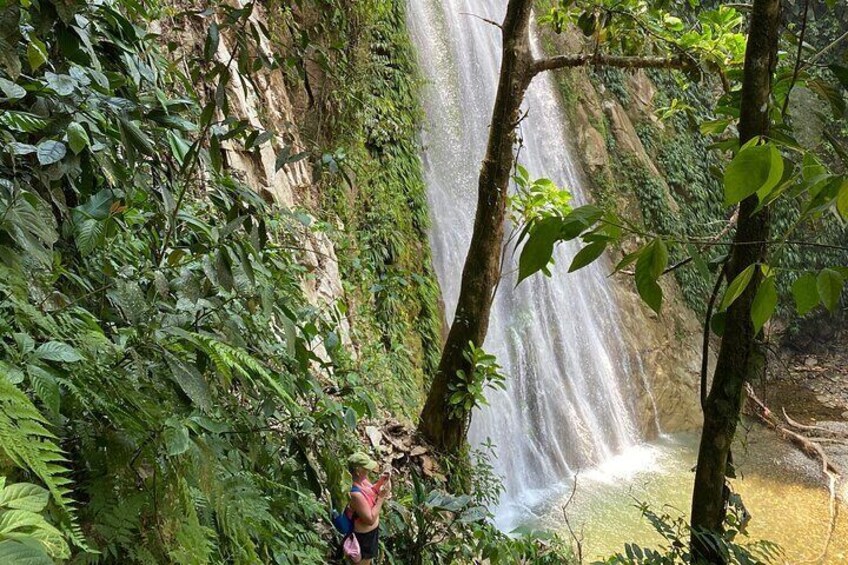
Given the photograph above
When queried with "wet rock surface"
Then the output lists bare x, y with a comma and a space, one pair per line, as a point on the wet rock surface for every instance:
811, 385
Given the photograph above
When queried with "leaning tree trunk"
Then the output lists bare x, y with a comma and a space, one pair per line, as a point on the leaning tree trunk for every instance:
723, 405
482, 264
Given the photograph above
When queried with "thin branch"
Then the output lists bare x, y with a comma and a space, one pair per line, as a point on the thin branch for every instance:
834, 142
775, 243
815, 430
797, 59
705, 345
730, 223
481, 18
619, 61
811, 449
711, 243
826, 50
578, 540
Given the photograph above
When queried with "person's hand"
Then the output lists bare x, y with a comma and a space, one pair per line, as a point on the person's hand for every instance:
386, 489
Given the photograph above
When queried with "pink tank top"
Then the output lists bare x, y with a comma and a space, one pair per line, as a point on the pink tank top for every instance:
367, 490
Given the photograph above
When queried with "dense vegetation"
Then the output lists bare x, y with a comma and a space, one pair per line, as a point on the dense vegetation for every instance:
677, 140
164, 377
168, 392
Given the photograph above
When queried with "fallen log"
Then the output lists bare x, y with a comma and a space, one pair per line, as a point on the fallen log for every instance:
805, 444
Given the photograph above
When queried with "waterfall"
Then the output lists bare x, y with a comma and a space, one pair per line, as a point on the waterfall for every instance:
570, 397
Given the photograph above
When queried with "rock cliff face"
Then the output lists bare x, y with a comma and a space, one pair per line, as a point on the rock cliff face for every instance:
350, 107
266, 103
670, 344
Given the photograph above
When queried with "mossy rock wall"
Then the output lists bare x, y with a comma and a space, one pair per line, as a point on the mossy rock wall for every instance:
358, 104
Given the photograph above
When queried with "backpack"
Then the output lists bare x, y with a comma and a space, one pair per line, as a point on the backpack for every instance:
343, 521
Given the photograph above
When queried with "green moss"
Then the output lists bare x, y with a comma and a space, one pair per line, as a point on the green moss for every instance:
615, 80
383, 253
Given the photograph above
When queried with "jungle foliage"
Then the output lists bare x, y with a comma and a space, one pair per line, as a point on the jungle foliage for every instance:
167, 393
684, 141
159, 370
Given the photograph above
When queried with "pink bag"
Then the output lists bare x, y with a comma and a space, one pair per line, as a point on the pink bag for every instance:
351, 548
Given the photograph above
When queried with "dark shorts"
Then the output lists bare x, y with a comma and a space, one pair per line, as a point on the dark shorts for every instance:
369, 543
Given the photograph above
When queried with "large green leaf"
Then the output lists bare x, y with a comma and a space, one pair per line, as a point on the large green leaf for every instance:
829, 285
11, 90
177, 440
50, 151
36, 53
19, 553
755, 169
57, 351
136, 137
649, 267
22, 121
63, 85
587, 255
830, 94
805, 292
737, 287
537, 251
24, 496
87, 233
190, 381
842, 199
579, 220
17, 148
658, 258
714, 127
77, 137
765, 303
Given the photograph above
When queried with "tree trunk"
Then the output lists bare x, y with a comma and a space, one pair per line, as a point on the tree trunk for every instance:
723, 406
482, 264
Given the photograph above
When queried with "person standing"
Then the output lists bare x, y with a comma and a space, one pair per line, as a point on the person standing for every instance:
366, 501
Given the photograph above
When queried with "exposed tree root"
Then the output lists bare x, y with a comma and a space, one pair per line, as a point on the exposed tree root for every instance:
817, 431
810, 446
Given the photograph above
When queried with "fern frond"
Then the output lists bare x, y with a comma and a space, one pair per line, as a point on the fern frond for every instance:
27, 442
239, 361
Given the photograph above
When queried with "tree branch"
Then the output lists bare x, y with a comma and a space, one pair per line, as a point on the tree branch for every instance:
705, 345
826, 50
797, 59
680, 62
487, 20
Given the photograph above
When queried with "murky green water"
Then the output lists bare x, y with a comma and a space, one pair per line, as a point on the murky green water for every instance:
781, 488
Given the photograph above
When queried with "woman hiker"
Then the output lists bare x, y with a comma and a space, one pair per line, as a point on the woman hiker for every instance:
366, 501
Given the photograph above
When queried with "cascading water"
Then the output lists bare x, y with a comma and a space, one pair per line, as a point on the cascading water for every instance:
569, 402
